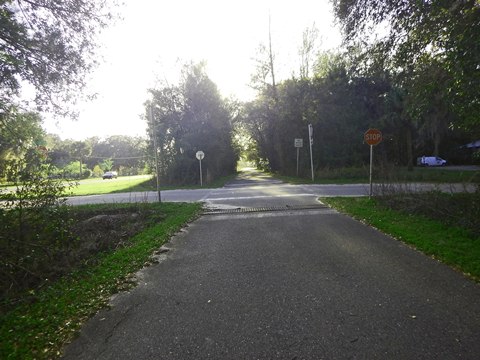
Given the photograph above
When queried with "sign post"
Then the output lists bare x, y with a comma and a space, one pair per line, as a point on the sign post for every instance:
310, 137
200, 155
372, 137
298, 145
155, 149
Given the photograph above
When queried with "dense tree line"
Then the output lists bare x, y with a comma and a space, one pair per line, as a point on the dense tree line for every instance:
124, 154
64, 158
421, 35
419, 85
186, 118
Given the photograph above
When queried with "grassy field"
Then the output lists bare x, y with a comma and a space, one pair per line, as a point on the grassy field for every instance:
121, 184
453, 245
140, 183
39, 327
398, 174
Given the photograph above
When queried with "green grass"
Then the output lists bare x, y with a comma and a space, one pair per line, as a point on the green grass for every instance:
140, 183
452, 245
38, 330
121, 184
397, 174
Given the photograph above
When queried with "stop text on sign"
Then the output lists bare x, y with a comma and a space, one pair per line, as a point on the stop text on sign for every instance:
372, 136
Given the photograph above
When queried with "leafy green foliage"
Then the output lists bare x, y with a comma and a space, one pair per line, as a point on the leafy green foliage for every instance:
446, 31
34, 230
187, 118
19, 131
48, 44
350, 93
121, 153
339, 106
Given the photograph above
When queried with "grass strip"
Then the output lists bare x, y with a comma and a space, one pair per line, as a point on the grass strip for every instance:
452, 245
96, 186
39, 330
360, 175
139, 183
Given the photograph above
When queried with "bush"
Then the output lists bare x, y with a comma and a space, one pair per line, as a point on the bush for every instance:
34, 228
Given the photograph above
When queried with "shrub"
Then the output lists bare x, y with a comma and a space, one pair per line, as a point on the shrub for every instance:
34, 227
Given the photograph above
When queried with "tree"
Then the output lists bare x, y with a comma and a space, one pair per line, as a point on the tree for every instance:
307, 51
187, 118
48, 44
79, 151
106, 165
339, 104
19, 131
446, 30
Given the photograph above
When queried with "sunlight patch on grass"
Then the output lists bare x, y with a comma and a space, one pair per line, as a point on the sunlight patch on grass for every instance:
121, 184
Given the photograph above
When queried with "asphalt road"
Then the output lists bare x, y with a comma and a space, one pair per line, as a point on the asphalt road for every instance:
254, 188
295, 284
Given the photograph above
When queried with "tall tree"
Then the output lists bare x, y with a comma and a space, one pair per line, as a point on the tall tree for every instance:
447, 30
48, 44
189, 117
307, 51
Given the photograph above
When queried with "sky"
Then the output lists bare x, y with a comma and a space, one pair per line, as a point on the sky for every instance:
155, 37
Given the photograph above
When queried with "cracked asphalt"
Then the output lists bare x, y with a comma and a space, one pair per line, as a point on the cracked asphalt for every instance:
304, 284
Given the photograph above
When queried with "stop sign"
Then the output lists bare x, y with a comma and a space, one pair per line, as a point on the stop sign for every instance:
372, 136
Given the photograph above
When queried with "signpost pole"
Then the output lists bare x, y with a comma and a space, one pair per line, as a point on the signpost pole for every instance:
298, 144
200, 155
372, 137
201, 177
371, 168
297, 159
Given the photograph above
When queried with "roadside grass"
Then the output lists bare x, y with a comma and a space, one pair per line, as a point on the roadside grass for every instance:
453, 245
140, 183
353, 175
39, 327
97, 186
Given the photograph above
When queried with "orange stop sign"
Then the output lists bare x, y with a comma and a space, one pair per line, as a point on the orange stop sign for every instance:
372, 136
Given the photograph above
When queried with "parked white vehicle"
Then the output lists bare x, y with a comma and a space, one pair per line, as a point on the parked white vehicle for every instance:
431, 161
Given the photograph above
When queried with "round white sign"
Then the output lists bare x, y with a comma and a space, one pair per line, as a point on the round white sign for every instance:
200, 155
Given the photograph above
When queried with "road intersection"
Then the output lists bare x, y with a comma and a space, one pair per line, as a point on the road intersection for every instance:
302, 283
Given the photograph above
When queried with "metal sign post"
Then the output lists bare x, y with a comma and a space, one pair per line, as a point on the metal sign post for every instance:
298, 144
372, 137
310, 136
155, 149
200, 155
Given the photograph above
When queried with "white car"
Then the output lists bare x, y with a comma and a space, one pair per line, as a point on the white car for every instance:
431, 161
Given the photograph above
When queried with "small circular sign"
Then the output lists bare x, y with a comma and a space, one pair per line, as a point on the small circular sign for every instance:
200, 155
372, 137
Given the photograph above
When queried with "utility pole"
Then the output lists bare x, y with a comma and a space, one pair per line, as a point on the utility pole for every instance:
155, 149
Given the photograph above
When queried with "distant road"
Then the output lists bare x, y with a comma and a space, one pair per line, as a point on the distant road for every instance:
254, 191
